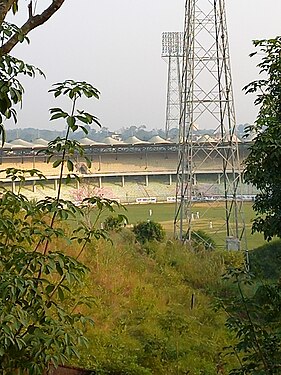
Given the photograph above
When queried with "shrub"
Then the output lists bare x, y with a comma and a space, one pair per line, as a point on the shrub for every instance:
148, 231
265, 261
114, 223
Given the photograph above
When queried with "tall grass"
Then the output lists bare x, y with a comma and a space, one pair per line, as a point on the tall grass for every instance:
153, 309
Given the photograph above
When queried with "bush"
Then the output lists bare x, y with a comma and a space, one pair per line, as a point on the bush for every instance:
114, 223
148, 231
265, 261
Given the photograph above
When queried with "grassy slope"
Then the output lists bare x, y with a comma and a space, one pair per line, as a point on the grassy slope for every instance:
144, 323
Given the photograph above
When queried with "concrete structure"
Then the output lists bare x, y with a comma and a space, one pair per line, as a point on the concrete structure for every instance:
121, 160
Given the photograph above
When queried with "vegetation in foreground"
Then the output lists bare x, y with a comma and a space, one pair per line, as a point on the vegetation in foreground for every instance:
151, 300
153, 308
163, 308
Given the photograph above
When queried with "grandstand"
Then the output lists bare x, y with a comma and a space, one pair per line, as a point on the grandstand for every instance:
125, 170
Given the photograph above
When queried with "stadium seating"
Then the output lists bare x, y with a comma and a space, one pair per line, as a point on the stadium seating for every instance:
116, 166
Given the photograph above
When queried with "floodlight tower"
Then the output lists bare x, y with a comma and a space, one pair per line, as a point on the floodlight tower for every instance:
172, 50
207, 100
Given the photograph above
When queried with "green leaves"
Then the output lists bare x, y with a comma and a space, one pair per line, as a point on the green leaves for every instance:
73, 120
11, 90
37, 324
148, 231
88, 119
74, 89
64, 150
57, 113
253, 315
115, 223
7, 30
263, 163
16, 174
15, 7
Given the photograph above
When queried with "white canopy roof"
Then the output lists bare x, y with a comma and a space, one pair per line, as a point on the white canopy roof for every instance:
40, 141
134, 141
112, 141
157, 139
21, 143
89, 142
7, 146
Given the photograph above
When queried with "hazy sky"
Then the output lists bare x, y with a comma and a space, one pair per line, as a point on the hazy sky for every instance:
116, 46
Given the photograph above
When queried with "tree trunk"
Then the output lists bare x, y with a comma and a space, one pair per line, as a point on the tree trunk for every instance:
5, 6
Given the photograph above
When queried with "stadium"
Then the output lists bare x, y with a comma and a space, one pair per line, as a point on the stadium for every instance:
131, 170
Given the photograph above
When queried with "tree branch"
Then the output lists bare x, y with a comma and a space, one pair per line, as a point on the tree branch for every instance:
30, 24
30, 10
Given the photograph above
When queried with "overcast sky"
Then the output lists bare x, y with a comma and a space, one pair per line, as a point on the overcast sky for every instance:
116, 46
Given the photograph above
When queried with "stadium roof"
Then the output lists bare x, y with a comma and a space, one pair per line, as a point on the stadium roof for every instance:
89, 142
157, 139
134, 141
227, 137
40, 141
234, 138
111, 141
108, 141
21, 143
7, 145
206, 138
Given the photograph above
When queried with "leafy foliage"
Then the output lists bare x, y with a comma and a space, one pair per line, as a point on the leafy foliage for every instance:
114, 223
254, 314
265, 261
11, 90
148, 231
7, 30
37, 327
41, 322
40, 316
263, 164
254, 317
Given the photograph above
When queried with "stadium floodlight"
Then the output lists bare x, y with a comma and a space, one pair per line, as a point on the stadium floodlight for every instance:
172, 51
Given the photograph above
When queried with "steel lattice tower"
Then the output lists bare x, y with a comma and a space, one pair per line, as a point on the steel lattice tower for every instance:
207, 100
172, 50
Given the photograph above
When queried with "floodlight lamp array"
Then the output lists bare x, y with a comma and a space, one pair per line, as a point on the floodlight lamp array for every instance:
172, 44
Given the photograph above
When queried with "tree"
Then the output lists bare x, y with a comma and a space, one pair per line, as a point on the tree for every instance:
17, 34
41, 323
11, 68
39, 320
263, 165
